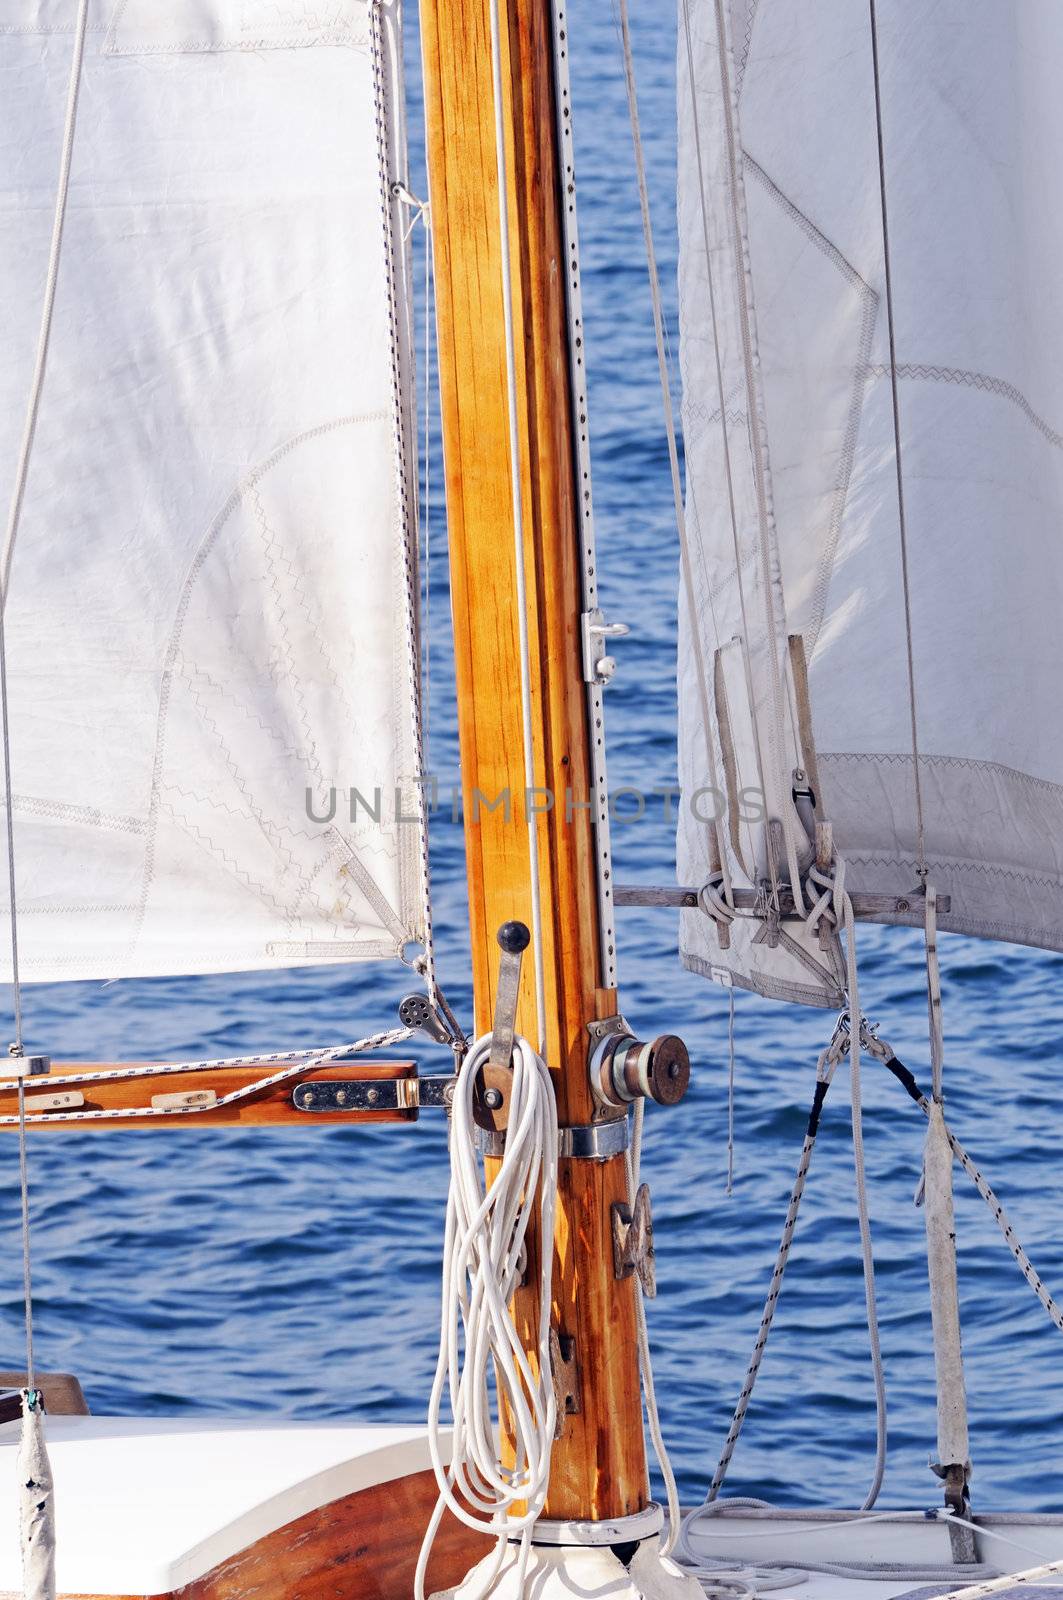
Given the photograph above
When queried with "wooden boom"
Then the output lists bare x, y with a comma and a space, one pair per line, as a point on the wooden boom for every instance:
599, 1463
55, 1103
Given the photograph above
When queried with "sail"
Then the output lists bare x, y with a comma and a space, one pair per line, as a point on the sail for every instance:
211, 628
779, 194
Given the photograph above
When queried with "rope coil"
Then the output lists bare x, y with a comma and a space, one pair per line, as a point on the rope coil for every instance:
483, 1367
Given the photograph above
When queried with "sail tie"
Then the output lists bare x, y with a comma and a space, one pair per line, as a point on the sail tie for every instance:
480, 1346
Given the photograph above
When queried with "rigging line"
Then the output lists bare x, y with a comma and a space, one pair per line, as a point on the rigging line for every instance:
686, 563
633, 1161
13, 522
758, 442
44, 338
392, 190
843, 911
824, 1073
725, 436
730, 1091
518, 527
897, 450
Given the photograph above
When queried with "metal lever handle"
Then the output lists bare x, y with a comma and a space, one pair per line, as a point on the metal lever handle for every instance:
513, 940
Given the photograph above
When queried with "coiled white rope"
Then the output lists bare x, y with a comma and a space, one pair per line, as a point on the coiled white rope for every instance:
480, 1348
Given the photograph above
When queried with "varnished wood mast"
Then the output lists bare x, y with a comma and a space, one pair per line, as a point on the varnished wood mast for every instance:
599, 1465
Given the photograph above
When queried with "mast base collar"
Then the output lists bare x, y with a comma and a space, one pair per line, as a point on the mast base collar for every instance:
572, 1572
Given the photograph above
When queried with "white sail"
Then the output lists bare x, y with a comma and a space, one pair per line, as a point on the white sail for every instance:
779, 166
211, 613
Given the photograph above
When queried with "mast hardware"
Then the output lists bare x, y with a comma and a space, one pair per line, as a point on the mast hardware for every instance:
624, 1069
375, 1094
598, 665
565, 1373
595, 1141
633, 1241
417, 1013
37, 1066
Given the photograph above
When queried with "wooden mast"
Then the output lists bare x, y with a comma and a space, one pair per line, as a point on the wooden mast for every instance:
599, 1464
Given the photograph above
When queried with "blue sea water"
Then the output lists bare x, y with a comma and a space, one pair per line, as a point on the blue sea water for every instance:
296, 1273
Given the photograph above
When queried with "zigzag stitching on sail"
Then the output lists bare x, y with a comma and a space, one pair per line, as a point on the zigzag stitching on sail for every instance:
870, 299
1013, 774
242, 876
1039, 880
188, 672
927, 373
71, 813
269, 829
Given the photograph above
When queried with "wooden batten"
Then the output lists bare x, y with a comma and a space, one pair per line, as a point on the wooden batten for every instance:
271, 1107
599, 1466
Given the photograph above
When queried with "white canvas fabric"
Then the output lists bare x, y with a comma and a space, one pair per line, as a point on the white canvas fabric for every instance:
973, 129
211, 600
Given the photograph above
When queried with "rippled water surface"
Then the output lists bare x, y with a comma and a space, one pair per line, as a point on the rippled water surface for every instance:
297, 1272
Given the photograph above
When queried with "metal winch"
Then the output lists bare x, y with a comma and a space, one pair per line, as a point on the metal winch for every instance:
624, 1069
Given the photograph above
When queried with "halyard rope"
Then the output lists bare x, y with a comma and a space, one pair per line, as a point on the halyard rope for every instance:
897, 451
37, 1522
480, 1348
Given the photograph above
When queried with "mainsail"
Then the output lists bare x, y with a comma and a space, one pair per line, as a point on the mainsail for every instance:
793, 517
211, 617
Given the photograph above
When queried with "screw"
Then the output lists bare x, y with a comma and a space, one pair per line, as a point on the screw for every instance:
308, 1097
341, 1097
492, 1099
673, 1069
373, 1096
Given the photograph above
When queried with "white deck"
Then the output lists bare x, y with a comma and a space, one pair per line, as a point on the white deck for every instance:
743, 1538
145, 1504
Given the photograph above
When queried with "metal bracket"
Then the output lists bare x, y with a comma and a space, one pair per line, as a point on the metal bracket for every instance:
633, 1241
598, 665
565, 1373
374, 1094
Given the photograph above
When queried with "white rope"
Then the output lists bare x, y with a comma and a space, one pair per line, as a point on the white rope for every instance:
486, 1230
843, 911
36, 1510
516, 474
633, 1159
48, 309
897, 452
730, 1091
1014, 1580
686, 562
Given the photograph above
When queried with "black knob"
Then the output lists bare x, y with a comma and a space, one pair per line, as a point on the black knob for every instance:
514, 937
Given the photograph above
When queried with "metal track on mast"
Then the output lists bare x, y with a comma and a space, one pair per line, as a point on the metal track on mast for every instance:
582, 451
